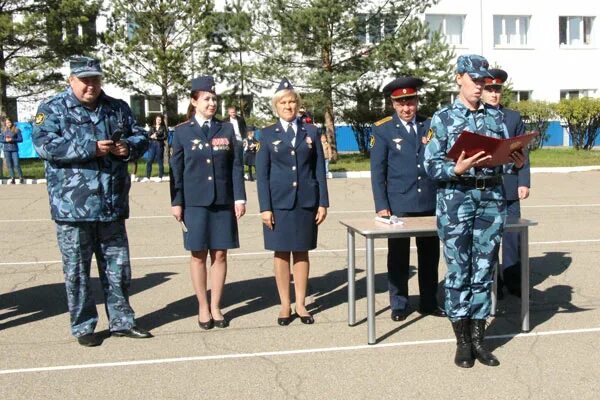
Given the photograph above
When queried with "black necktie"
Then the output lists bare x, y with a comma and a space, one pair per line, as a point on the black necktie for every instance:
290, 133
411, 128
205, 128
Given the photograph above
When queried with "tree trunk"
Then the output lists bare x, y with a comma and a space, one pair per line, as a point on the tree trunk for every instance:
329, 116
3, 85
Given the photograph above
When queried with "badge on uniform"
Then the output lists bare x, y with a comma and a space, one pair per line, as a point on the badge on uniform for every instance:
197, 144
309, 142
220, 144
372, 141
275, 144
39, 118
428, 137
397, 141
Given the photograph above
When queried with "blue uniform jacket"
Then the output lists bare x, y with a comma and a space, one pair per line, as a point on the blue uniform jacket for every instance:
83, 187
521, 177
16, 138
291, 176
206, 169
398, 176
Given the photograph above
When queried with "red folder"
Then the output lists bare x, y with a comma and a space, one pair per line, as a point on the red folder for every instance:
500, 149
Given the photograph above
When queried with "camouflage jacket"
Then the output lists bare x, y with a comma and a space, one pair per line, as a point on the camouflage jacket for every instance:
81, 186
446, 125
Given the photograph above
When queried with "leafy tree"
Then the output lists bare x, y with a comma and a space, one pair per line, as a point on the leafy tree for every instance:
36, 37
583, 120
157, 44
326, 46
536, 116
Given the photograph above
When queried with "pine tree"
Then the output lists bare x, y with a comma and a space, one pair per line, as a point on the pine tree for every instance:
329, 48
157, 44
36, 38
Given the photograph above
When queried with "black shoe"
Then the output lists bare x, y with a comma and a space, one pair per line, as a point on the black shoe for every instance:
221, 323
284, 321
12, 181
133, 333
434, 312
464, 355
482, 354
89, 340
206, 325
400, 315
307, 319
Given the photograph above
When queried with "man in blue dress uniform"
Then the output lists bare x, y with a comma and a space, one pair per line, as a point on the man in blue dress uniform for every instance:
402, 188
86, 138
516, 185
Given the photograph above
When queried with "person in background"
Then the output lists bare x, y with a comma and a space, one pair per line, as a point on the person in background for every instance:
516, 185
156, 150
292, 196
88, 187
402, 188
207, 195
250, 147
326, 152
238, 123
11, 137
471, 208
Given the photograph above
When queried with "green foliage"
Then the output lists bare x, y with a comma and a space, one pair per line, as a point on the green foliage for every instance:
536, 116
157, 45
319, 45
583, 120
36, 38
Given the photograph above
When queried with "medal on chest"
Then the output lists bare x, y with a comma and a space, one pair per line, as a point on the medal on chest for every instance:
220, 144
276, 145
397, 141
197, 144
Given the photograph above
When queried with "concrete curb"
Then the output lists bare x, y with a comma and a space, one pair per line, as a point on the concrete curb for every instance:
347, 175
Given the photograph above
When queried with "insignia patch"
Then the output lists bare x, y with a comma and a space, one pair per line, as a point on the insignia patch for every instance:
258, 146
397, 140
429, 135
309, 142
372, 141
40, 118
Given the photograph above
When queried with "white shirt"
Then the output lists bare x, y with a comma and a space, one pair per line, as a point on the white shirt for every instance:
414, 124
236, 128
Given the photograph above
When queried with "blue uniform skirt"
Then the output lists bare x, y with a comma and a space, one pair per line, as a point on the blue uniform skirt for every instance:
294, 230
213, 227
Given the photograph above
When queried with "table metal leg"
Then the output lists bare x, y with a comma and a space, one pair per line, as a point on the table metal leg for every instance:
494, 290
371, 289
525, 279
351, 278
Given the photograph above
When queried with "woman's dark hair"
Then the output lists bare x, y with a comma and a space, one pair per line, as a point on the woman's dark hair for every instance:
13, 127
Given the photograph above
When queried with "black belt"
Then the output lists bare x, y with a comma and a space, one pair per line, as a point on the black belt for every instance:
480, 182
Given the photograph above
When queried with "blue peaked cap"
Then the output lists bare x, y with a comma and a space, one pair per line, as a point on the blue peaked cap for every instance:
204, 84
285, 84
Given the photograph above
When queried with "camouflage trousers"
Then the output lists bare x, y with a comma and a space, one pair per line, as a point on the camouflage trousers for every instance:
470, 224
78, 242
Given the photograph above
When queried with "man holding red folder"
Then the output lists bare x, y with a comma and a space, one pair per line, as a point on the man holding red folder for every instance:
471, 208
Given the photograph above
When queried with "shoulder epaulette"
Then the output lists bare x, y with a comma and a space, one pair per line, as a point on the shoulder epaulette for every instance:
181, 123
383, 121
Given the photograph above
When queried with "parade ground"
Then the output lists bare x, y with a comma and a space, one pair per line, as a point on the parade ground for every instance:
257, 359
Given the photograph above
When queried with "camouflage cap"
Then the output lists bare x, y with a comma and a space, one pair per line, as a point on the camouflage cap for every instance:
474, 65
83, 67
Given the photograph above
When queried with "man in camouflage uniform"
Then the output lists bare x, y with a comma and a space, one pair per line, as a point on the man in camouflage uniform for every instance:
86, 138
470, 209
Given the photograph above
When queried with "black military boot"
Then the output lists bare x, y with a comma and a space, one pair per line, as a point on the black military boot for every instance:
464, 355
479, 351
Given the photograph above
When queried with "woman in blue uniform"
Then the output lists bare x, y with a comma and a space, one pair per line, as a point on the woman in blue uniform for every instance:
207, 195
292, 194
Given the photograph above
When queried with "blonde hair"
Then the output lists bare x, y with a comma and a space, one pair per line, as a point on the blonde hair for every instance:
280, 95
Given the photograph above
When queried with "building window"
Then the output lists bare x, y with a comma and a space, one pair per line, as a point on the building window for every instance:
522, 95
451, 26
510, 30
576, 94
575, 31
154, 105
371, 29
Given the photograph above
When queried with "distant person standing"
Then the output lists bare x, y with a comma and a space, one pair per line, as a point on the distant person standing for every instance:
250, 148
238, 122
86, 138
326, 152
11, 137
516, 185
156, 150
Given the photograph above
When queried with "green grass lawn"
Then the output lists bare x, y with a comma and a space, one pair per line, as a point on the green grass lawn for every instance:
554, 157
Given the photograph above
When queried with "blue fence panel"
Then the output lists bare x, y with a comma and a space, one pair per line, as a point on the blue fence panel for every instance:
26, 147
345, 138
555, 134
